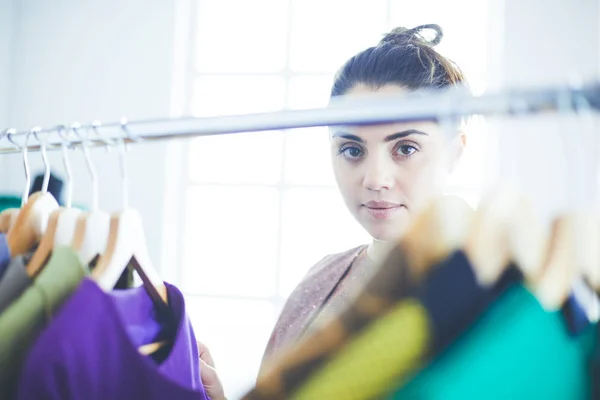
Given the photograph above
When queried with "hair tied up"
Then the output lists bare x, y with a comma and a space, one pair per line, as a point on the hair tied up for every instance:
402, 36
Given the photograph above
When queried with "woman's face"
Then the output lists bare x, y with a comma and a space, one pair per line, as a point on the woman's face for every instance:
386, 173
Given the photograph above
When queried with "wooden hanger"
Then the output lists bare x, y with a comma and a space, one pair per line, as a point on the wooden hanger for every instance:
487, 244
527, 240
61, 227
127, 243
127, 246
44, 249
560, 271
7, 218
31, 223
437, 231
506, 231
120, 241
32, 220
91, 235
61, 224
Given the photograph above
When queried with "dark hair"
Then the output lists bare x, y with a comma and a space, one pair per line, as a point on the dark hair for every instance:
404, 57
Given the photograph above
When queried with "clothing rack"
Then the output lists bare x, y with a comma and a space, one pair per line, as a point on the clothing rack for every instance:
449, 104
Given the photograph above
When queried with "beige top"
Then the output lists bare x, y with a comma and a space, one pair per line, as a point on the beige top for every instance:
326, 288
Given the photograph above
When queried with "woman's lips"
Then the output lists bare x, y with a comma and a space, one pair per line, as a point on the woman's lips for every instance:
382, 210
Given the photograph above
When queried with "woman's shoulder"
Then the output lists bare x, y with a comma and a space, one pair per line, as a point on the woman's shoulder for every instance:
337, 259
308, 297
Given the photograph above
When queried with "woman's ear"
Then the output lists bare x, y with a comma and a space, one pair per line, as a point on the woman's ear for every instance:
457, 146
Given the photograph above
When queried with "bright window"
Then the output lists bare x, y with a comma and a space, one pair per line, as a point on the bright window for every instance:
253, 201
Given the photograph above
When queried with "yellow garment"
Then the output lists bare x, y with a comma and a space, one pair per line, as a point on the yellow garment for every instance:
390, 350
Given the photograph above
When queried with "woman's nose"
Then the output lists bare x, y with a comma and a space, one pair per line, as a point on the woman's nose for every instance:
378, 175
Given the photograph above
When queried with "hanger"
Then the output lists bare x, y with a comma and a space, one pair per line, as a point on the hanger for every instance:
449, 217
487, 244
67, 220
589, 254
559, 273
9, 215
41, 254
506, 231
33, 218
92, 228
127, 246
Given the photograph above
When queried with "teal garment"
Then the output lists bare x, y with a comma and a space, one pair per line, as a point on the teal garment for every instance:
7, 201
12, 201
515, 351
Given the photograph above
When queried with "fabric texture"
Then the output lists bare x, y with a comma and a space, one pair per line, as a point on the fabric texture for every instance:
308, 299
4, 254
25, 318
15, 280
91, 355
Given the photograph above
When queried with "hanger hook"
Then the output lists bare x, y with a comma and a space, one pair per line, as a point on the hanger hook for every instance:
124, 177
36, 130
88, 162
64, 146
128, 134
6, 132
108, 142
23, 148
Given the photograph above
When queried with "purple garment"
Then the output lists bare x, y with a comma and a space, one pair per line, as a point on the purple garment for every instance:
4, 254
89, 351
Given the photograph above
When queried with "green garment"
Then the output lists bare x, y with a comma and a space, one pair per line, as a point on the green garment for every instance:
515, 351
25, 318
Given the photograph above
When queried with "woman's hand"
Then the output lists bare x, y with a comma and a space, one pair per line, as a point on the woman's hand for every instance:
208, 374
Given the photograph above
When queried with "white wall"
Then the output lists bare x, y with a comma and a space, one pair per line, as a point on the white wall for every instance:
6, 30
548, 43
80, 60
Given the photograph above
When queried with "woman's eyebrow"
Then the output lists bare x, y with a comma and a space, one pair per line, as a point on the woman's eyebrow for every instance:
349, 136
390, 138
403, 134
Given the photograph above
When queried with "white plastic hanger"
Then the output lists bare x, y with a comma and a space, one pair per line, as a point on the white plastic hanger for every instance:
67, 219
91, 232
32, 220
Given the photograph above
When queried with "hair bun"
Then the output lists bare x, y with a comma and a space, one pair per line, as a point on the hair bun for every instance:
402, 36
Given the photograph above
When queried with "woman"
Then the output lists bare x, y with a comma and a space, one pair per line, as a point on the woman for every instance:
385, 173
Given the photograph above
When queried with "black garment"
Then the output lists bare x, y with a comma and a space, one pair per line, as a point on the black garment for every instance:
55, 186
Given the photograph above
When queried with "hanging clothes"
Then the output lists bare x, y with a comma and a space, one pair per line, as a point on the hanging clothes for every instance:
424, 321
4, 254
15, 280
8, 201
94, 355
515, 350
55, 186
24, 319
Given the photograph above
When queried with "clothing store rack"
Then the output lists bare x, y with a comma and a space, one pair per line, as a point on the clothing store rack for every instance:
450, 104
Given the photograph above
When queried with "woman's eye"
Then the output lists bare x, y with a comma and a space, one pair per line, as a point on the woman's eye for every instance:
406, 150
351, 152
